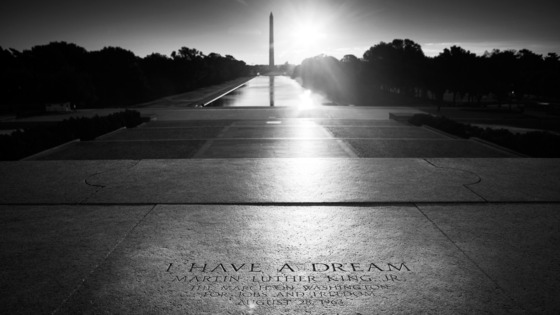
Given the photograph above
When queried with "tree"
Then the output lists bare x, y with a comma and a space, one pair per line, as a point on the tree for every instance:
530, 73
113, 76
55, 72
396, 67
117, 76
350, 59
551, 77
189, 54
160, 75
457, 69
503, 73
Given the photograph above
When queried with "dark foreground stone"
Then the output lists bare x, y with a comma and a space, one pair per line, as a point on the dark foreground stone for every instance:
203, 259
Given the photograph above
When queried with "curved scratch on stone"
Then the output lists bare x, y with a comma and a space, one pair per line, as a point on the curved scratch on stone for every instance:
99, 186
93, 185
467, 185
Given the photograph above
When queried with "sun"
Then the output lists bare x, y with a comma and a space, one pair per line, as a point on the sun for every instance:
307, 34
308, 31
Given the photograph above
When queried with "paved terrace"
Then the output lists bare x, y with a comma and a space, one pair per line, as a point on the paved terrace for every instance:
331, 210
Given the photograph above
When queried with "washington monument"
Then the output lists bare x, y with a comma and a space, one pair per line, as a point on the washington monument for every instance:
271, 47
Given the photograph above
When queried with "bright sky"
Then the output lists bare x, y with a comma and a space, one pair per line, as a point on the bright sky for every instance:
303, 28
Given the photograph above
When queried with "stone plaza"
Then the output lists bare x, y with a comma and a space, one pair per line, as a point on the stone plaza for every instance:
327, 210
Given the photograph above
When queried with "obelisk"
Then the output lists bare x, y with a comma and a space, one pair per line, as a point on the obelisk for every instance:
271, 48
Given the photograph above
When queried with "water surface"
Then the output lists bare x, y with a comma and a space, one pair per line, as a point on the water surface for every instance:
271, 91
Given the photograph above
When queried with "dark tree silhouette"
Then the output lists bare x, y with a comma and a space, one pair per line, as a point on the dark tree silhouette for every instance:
550, 80
52, 73
393, 72
396, 67
62, 72
188, 54
161, 75
11, 78
530, 71
457, 71
350, 59
325, 74
117, 76
398, 72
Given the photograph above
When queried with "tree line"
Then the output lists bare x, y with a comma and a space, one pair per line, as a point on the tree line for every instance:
64, 72
400, 71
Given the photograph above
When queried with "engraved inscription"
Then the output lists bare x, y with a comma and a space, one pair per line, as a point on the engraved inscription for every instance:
325, 284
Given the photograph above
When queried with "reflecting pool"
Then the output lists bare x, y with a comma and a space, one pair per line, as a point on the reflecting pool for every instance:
271, 91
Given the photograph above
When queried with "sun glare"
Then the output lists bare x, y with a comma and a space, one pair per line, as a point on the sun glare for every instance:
308, 28
307, 39
307, 34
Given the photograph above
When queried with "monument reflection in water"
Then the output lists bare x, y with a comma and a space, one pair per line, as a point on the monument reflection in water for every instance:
271, 91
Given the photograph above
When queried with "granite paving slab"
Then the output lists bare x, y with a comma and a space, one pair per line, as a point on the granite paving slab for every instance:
186, 123
47, 252
181, 133
274, 148
321, 122
263, 113
288, 260
515, 244
384, 132
329, 180
359, 122
275, 132
52, 181
280, 180
123, 150
291, 122
527, 179
423, 148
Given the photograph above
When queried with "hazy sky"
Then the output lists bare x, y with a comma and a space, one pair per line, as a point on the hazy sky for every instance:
304, 28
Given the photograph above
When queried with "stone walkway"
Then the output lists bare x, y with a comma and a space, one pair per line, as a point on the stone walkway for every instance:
332, 210
265, 136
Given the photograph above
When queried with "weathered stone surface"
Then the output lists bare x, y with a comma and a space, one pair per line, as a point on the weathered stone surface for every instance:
423, 148
186, 123
46, 252
127, 150
319, 121
384, 132
279, 180
283, 180
288, 260
359, 122
61, 182
276, 132
179, 133
273, 148
526, 180
516, 245
424, 235
324, 112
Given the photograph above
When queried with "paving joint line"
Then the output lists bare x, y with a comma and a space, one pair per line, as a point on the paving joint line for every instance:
467, 185
292, 204
96, 267
346, 147
270, 138
209, 142
495, 282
